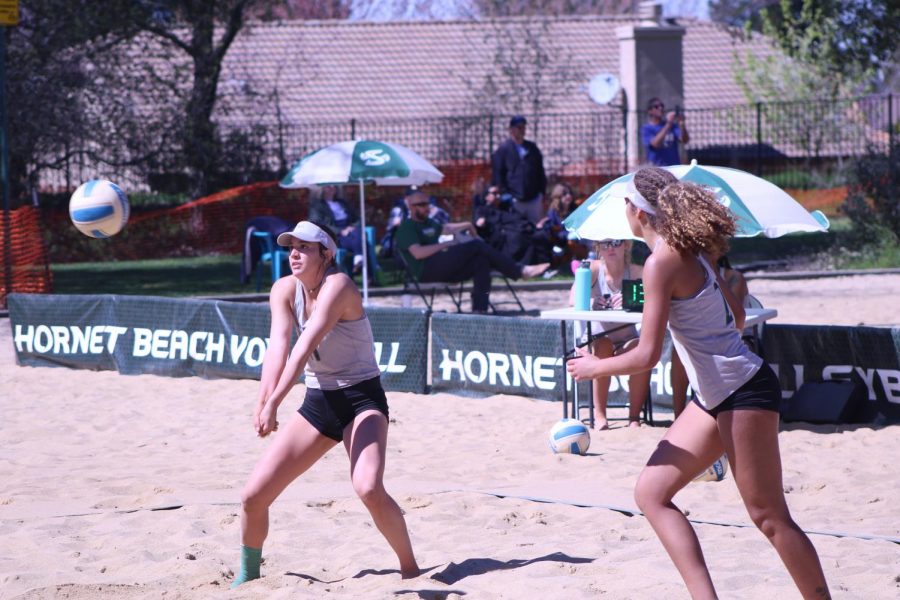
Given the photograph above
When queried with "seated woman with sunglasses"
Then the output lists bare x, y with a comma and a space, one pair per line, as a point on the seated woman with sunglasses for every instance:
607, 273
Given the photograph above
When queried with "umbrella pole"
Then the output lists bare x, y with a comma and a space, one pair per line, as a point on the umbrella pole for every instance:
365, 242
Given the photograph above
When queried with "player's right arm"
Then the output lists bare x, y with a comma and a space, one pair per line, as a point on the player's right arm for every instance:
281, 305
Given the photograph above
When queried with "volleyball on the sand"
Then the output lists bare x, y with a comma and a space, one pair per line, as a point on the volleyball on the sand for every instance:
715, 471
99, 208
569, 436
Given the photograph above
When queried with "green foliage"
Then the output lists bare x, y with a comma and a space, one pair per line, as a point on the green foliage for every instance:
803, 68
805, 179
873, 204
165, 238
139, 201
781, 249
881, 254
836, 47
201, 276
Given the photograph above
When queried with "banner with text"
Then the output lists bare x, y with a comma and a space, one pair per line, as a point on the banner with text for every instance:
185, 337
869, 356
484, 355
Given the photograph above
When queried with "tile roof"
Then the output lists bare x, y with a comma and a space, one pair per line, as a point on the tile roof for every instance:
302, 82
338, 70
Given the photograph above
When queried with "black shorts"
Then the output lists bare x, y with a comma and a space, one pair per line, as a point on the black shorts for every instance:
330, 411
762, 392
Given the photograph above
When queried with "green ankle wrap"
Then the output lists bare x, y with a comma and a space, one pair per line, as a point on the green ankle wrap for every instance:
250, 560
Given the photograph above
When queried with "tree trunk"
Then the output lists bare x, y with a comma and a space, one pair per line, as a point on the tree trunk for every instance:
201, 142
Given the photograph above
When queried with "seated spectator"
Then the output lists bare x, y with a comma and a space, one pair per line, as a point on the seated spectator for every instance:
562, 204
607, 275
479, 190
506, 229
397, 215
430, 260
337, 215
436, 213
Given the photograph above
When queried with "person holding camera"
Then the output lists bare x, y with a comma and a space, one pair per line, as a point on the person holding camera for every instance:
662, 133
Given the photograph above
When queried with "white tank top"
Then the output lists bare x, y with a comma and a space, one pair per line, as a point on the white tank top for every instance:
344, 357
618, 334
717, 362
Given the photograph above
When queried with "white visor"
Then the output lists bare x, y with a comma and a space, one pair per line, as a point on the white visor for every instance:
308, 232
639, 201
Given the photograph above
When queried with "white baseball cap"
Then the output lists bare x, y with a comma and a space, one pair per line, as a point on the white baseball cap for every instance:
308, 232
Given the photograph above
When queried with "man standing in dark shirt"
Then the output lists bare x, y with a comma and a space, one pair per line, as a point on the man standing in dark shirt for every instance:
518, 169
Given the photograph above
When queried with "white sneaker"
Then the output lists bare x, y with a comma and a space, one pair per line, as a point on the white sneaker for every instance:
529, 271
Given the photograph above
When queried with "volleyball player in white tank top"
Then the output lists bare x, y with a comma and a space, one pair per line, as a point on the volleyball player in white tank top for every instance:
344, 401
737, 410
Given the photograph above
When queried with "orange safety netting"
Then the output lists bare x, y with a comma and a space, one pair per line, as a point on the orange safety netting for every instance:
25, 267
216, 223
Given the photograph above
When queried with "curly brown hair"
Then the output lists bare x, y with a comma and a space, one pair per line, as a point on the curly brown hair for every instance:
650, 181
688, 216
691, 220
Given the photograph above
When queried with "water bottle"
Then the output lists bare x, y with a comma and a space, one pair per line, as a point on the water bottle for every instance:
583, 286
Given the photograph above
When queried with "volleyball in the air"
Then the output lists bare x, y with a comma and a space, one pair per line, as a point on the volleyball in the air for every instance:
99, 208
715, 471
569, 436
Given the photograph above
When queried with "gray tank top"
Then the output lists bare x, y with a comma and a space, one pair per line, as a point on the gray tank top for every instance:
717, 362
344, 357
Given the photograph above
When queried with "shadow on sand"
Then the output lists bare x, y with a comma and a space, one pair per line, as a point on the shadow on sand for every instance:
454, 573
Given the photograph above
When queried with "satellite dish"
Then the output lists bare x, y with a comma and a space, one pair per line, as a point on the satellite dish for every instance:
603, 88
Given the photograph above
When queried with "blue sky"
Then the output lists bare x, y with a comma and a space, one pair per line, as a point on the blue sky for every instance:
386, 10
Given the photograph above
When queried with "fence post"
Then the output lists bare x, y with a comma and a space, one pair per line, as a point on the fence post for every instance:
625, 166
759, 139
490, 140
352, 129
890, 101
4, 175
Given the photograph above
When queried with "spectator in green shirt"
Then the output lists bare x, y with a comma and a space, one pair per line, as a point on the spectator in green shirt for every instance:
465, 257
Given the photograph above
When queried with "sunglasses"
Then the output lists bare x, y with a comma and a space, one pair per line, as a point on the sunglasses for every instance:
610, 244
420, 204
658, 106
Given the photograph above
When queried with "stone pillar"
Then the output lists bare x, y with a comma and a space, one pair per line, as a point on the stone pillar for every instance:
650, 64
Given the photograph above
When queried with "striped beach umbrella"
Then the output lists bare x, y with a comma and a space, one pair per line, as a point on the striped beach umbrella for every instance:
361, 162
759, 206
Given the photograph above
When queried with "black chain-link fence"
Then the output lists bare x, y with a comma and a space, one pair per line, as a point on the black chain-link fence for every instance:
805, 144
795, 144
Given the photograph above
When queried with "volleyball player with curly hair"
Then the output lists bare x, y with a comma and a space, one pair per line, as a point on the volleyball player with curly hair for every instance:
736, 406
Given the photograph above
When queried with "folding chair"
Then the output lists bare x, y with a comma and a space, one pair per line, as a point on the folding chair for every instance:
411, 281
270, 254
453, 289
515, 297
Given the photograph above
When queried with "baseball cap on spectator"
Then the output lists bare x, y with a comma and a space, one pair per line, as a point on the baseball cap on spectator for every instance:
517, 120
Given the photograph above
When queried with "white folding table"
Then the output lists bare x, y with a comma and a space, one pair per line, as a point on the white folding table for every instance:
754, 316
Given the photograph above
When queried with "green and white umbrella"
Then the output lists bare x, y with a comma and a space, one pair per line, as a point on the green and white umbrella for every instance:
759, 206
362, 162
